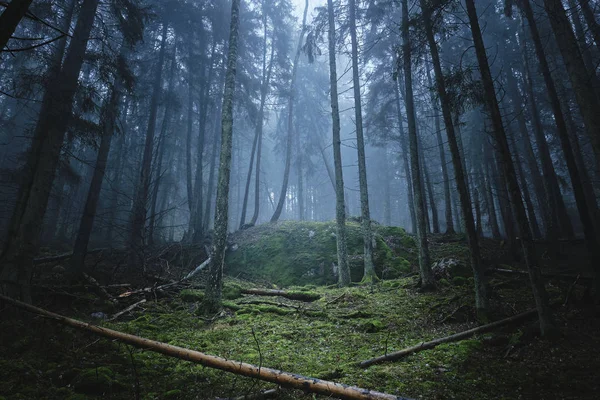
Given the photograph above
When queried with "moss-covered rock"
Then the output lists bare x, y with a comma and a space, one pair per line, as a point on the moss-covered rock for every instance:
298, 253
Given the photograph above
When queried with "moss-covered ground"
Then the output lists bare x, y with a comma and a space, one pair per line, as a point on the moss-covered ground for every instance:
297, 253
40, 359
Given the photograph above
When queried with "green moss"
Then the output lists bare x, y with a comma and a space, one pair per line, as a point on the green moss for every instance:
292, 253
191, 295
459, 281
97, 381
173, 394
231, 291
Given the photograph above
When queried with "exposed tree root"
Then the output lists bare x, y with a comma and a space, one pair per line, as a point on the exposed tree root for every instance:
452, 338
284, 379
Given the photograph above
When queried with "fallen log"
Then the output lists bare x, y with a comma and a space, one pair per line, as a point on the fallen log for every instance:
281, 378
544, 275
452, 338
302, 296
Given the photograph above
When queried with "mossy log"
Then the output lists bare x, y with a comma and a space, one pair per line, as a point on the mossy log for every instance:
281, 378
452, 338
544, 275
302, 296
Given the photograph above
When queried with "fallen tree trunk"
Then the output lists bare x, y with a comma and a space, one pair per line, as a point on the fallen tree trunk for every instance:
281, 378
544, 275
302, 296
452, 338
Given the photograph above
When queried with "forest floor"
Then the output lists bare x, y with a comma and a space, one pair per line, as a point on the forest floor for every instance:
326, 338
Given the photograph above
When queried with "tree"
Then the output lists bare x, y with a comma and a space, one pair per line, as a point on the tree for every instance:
214, 287
427, 281
10, 18
340, 210
290, 124
481, 298
138, 214
508, 172
369, 268
25, 226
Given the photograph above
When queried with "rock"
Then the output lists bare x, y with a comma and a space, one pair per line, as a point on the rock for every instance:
98, 315
449, 268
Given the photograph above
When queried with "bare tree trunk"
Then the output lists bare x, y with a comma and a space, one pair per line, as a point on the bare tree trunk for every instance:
161, 148
481, 298
109, 119
188, 141
214, 287
25, 225
579, 77
440, 143
405, 160
590, 20
290, 110
588, 104
138, 217
369, 268
340, 210
427, 281
259, 128
524, 232
10, 18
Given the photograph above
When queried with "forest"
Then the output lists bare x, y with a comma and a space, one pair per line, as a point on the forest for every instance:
253, 199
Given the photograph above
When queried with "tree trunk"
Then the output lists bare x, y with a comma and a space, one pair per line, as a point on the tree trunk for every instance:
427, 281
588, 103
214, 287
406, 161
161, 147
481, 298
446, 179
579, 76
524, 232
590, 20
26, 222
138, 217
10, 18
188, 141
259, 127
108, 117
290, 110
369, 268
340, 210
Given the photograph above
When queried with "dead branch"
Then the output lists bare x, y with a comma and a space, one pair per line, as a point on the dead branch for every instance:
167, 285
131, 307
281, 378
452, 338
100, 289
288, 295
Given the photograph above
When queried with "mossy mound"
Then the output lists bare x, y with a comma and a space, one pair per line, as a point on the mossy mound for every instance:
298, 253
